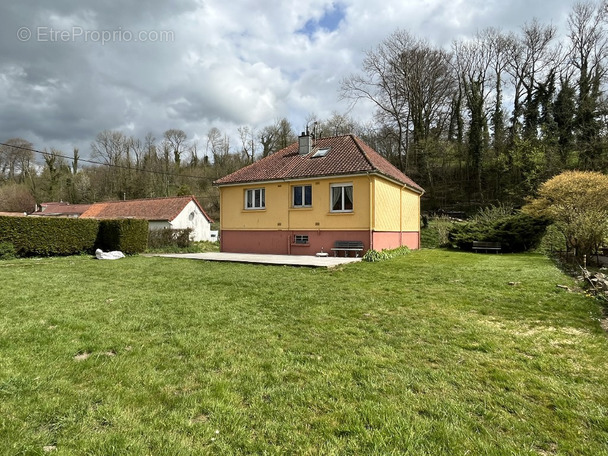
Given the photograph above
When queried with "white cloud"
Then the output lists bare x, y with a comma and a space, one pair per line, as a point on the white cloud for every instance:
228, 63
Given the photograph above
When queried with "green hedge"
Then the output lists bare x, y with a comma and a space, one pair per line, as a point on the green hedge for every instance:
7, 251
516, 233
127, 235
46, 236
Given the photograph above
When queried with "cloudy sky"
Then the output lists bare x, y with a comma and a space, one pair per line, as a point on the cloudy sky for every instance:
70, 69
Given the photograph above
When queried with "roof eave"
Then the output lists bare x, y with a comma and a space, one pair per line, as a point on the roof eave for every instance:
326, 176
294, 179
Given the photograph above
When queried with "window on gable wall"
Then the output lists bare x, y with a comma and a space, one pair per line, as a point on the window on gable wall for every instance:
255, 198
341, 197
302, 195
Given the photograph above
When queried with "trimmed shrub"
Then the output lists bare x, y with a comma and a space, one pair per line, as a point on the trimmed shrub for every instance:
45, 236
127, 235
169, 238
7, 251
516, 233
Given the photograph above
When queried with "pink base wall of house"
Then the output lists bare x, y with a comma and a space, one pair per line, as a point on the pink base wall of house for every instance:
282, 242
392, 240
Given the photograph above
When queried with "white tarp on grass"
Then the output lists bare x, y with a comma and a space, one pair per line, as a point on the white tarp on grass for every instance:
115, 255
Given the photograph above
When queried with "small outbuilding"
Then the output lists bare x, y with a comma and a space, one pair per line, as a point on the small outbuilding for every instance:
178, 212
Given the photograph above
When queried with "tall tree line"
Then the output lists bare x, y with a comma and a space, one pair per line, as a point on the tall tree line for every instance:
493, 116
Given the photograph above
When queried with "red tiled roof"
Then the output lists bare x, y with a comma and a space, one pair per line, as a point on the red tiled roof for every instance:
58, 208
347, 155
147, 209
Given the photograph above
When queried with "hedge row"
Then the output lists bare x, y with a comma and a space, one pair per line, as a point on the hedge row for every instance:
46, 236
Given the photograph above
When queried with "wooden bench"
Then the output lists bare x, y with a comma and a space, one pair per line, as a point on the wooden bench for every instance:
347, 246
486, 246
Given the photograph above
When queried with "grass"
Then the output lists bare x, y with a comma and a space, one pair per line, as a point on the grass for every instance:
433, 353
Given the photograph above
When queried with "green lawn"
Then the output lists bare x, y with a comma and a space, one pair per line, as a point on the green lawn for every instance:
433, 353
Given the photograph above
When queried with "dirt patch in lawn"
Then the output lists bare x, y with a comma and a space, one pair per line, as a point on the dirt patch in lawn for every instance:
81, 356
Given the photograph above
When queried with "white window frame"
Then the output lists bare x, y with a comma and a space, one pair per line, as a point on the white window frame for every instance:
252, 192
300, 239
293, 195
343, 191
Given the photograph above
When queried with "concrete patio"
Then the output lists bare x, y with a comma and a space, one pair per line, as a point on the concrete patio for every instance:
283, 260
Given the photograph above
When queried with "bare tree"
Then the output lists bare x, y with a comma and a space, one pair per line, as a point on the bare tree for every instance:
150, 147
176, 140
268, 137
276, 136
246, 135
54, 164
193, 149
473, 61
588, 53
16, 198
377, 84
285, 134
214, 142
337, 124
533, 60
111, 146
15, 159
75, 161
410, 82
497, 45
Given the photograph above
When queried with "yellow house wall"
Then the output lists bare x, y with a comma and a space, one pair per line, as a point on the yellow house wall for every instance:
396, 208
410, 204
279, 215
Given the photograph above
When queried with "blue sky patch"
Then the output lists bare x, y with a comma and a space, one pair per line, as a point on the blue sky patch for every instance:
328, 22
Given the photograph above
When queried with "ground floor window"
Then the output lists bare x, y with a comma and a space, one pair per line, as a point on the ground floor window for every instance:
341, 197
300, 239
255, 198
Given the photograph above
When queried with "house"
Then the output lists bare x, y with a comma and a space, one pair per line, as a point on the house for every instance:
304, 198
61, 209
179, 212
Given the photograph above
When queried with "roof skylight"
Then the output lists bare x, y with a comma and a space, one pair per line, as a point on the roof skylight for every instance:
320, 153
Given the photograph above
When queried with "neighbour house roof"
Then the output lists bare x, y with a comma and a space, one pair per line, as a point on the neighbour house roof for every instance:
59, 209
344, 155
147, 209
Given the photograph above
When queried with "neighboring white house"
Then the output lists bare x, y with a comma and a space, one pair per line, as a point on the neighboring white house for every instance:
179, 212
